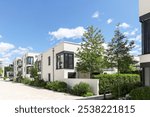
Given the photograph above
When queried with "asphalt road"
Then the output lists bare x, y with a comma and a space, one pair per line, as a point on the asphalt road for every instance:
18, 91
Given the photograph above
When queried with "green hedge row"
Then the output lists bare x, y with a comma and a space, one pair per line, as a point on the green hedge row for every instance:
81, 89
142, 93
109, 82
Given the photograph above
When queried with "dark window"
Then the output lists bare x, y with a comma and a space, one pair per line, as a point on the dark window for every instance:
146, 37
49, 77
71, 74
30, 60
65, 60
49, 60
39, 65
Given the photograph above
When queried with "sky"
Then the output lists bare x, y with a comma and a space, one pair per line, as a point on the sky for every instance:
37, 25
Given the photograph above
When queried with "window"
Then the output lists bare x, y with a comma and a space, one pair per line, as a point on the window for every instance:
30, 60
146, 37
71, 74
39, 65
65, 60
49, 77
49, 60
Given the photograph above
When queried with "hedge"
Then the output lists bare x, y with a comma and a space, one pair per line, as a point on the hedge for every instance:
142, 93
82, 89
57, 86
107, 82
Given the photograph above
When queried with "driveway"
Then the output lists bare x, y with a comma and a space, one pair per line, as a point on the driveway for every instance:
18, 91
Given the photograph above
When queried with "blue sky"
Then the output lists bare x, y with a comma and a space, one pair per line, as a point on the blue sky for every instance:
36, 25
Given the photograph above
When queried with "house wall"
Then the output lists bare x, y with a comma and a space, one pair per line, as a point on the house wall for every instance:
57, 74
94, 83
144, 7
145, 58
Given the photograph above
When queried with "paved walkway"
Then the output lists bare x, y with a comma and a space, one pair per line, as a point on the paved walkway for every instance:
18, 91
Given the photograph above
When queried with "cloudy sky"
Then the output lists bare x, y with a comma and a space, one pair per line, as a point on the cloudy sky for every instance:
36, 25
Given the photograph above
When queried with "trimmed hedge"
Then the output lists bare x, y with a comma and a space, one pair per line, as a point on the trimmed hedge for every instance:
38, 83
57, 86
122, 89
82, 89
107, 82
142, 93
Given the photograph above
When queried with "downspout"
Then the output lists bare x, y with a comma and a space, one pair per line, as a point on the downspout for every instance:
53, 65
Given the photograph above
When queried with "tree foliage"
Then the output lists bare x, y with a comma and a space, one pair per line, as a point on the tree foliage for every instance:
91, 52
117, 54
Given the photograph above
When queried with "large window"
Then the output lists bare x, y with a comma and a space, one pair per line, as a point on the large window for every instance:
65, 60
146, 37
30, 60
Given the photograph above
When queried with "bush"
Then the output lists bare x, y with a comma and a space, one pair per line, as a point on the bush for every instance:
142, 93
82, 89
121, 90
107, 82
38, 83
57, 86
88, 94
26, 81
4, 78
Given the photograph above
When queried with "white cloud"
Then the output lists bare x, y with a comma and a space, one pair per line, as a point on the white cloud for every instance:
96, 14
124, 25
105, 45
8, 52
126, 33
6, 46
1, 36
136, 38
134, 31
109, 21
67, 33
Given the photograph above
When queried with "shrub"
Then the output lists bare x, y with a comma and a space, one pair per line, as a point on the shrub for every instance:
88, 94
26, 81
57, 86
107, 82
38, 83
82, 89
120, 90
142, 93
4, 78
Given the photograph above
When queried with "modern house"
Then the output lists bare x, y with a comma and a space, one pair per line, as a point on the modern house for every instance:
17, 67
59, 62
28, 61
144, 14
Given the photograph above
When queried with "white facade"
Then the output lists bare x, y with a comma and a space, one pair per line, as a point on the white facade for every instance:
50, 72
144, 7
28, 61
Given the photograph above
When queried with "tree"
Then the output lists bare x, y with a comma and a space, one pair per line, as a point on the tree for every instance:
34, 72
91, 52
117, 54
1, 71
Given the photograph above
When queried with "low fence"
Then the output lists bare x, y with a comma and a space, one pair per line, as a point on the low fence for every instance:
94, 83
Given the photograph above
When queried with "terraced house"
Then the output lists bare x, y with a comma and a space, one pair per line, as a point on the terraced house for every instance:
144, 14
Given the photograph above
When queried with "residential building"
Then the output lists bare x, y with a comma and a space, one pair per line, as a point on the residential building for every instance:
144, 14
59, 62
17, 67
28, 61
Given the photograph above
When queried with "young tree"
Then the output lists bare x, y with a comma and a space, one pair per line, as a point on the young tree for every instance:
91, 52
118, 55
1, 71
